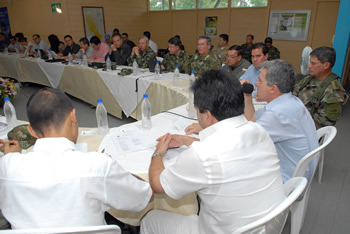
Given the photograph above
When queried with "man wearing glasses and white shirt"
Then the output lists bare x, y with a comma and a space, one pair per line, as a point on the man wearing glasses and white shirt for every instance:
285, 117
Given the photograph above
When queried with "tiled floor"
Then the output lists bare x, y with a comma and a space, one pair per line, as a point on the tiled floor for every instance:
329, 204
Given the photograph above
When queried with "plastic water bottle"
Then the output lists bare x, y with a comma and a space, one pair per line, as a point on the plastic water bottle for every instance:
49, 55
101, 117
176, 76
157, 71
135, 68
191, 110
146, 113
108, 64
17, 50
10, 113
85, 60
70, 58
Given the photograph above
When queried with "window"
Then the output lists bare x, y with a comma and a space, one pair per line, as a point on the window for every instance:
249, 3
159, 5
183, 4
204, 4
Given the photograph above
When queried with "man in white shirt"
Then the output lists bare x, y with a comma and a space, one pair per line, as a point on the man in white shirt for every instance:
233, 167
37, 45
56, 185
285, 117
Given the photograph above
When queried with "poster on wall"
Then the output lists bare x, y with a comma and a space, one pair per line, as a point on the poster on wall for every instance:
289, 25
94, 23
211, 25
5, 22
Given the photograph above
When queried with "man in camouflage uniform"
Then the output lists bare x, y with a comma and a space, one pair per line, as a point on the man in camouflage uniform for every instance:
321, 92
204, 60
175, 57
247, 47
143, 54
274, 53
222, 48
235, 63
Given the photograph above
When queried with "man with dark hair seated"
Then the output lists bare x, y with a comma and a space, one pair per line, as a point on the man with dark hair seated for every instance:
85, 48
71, 47
236, 64
175, 57
56, 185
119, 51
233, 167
100, 50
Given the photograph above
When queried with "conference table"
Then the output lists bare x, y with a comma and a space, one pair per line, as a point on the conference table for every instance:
136, 159
120, 94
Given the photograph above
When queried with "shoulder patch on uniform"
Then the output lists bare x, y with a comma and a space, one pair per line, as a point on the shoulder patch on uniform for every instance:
335, 85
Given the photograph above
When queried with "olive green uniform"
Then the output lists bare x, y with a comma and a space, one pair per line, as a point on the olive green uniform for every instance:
323, 98
200, 64
274, 53
222, 53
143, 58
239, 70
170, 61
247, 52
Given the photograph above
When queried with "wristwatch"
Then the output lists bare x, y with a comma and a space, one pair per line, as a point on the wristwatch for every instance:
156, 154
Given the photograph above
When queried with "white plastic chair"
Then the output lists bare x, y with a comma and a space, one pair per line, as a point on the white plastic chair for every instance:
298, 209
330, 130
105, 229
274, 221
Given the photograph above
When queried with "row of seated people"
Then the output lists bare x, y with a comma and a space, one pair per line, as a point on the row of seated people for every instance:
235, 165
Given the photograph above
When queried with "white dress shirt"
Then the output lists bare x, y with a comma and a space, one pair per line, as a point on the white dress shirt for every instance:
153, 46
56, 186
293, 131
42, 46
235, 171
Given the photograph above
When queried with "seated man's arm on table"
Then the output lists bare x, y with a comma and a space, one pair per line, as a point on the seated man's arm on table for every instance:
157, 166
10, 146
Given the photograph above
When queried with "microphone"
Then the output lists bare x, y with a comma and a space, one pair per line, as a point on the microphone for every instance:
247, 88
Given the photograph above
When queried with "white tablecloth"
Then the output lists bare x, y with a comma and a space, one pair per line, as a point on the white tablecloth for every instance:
53, 71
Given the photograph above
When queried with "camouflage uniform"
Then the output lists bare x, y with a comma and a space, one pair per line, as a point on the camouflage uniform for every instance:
22, 135
170, 61
222, 53
200, 64
239, 70
247, 52
274, 53
143, 58
323, 98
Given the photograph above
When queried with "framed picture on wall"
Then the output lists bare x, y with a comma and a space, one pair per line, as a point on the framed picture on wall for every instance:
289, 25
94, 22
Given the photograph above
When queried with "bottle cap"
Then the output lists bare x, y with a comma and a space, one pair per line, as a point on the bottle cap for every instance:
157, 62
177, 67
134, 59
99, 101
6, 99
107, 56
192, 72
145, 96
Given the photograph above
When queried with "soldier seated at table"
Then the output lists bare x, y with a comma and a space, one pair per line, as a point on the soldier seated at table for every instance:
236, 64
204, 59
274, 53
175, 57
222, 48
143, 53
321, 91
119, 51
56, 185
231, 167
247, 47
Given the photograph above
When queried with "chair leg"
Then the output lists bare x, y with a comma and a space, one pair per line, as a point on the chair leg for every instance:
297, 215
320, 167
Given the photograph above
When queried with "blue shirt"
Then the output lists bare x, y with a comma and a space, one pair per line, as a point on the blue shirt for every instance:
252, 75
292, 130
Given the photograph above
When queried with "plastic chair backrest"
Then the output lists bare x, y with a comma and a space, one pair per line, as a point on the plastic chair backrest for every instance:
274, 221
